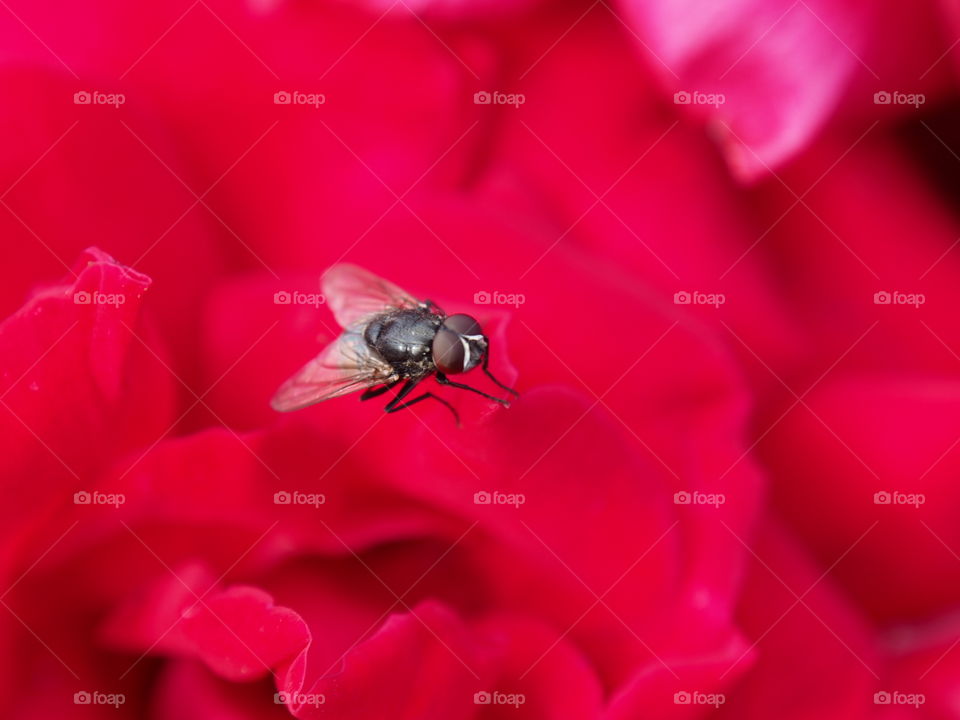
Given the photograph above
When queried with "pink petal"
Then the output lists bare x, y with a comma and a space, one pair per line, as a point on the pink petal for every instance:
187, 690
151, 616
241, 635
561, 683
811, 659
78, 387
422, 664
898, 435
781, 67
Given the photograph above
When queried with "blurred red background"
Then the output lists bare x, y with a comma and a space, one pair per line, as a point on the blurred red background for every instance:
714, 244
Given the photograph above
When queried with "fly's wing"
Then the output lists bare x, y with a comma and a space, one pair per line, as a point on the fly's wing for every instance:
346, 365
355, 295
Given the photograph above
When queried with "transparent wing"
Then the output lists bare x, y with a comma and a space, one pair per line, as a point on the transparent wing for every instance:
354, 294
346, 365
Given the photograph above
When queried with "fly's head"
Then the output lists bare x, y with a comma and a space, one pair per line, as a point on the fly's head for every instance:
459, 345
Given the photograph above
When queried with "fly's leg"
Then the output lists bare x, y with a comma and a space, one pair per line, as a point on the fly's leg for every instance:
486, 362
444, 380
393, 407
375, 392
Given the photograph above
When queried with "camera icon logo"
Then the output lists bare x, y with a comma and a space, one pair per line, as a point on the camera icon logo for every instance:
881, 698
882, 298
82, 297
82, 698
282, 97
681, 498
481, 298
882, 498
282, 498
82, 498
681, 298
282, 297
482, 498
882, 98
681, 698
681, 98
482, 98
482, 698
82, 98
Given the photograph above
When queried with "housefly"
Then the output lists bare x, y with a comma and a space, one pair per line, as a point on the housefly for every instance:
389, 337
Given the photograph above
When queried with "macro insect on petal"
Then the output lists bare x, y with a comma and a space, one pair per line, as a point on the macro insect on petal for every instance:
389, 338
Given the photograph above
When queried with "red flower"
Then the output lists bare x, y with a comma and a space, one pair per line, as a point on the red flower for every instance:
734, 442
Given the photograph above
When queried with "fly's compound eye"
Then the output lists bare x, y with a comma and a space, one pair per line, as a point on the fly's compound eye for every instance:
458, 345
463, 325
449, 351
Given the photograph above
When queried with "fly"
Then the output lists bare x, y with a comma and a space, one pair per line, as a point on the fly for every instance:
389, 337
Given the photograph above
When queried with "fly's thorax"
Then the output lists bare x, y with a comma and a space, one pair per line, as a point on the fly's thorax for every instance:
403, 338
372, 331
